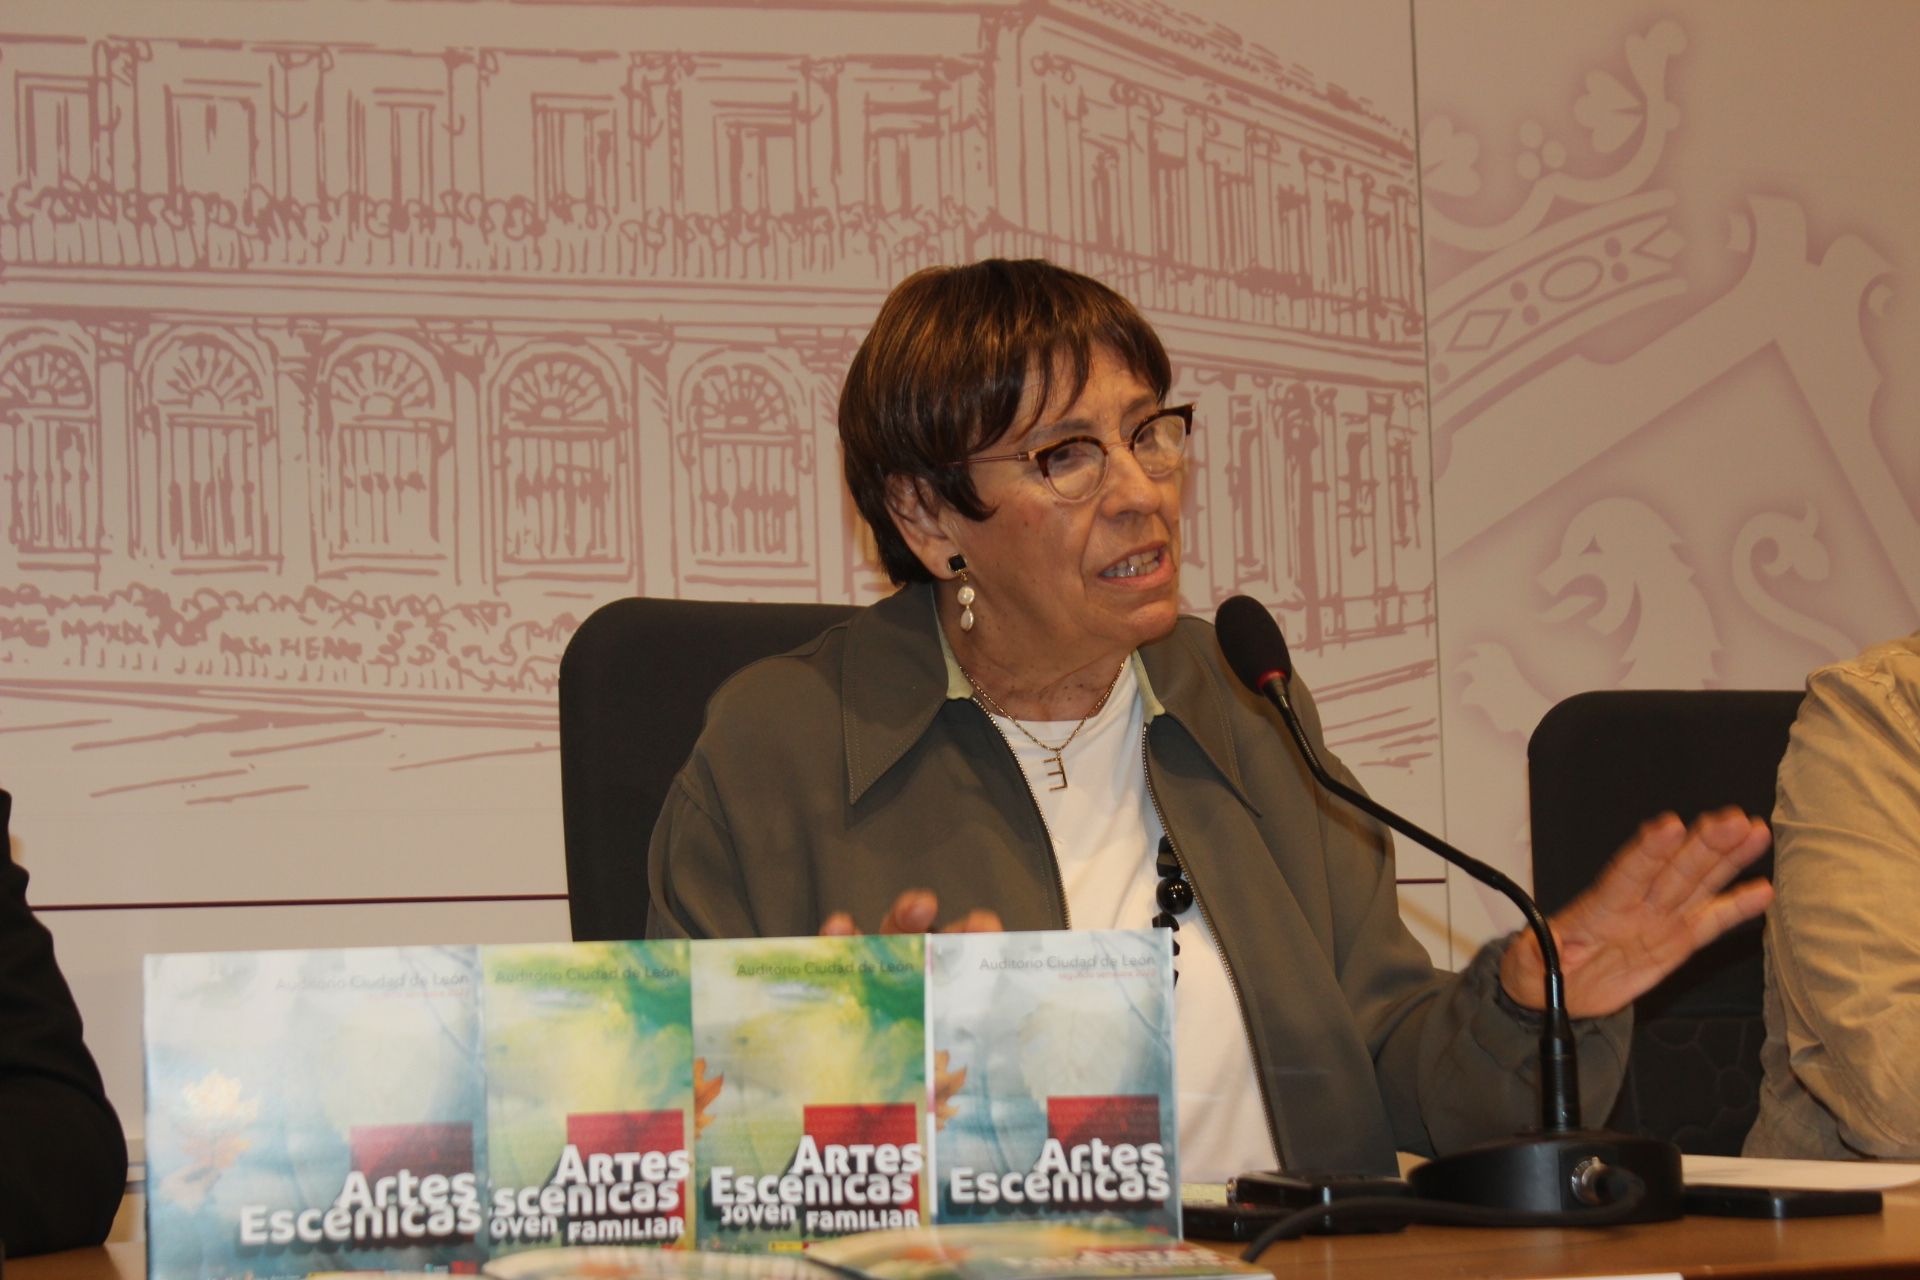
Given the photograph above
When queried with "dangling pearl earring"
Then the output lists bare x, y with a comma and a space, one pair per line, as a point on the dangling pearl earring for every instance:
958, 563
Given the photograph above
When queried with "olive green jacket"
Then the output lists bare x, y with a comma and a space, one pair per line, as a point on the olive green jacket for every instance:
836, 776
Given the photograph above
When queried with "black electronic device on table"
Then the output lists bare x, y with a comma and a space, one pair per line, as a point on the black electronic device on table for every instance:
1709, 1201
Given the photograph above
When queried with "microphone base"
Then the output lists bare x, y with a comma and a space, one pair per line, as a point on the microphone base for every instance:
1545, 1172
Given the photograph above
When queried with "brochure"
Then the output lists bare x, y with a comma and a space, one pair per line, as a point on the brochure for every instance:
314, 1110
814, 1049
589, 1085
1053, 1066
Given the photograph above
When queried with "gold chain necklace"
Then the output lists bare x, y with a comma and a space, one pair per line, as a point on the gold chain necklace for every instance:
1054, 764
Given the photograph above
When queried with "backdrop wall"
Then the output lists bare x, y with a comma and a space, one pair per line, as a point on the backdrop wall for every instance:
351, 353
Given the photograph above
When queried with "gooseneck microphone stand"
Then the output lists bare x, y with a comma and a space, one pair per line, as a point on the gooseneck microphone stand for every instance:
1562, 1167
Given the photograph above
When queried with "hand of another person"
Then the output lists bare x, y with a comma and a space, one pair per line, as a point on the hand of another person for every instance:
915, 912
1656, 903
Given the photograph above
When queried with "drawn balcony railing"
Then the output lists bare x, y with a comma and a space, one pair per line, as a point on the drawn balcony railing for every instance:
467, 235
463, 234
1254, 295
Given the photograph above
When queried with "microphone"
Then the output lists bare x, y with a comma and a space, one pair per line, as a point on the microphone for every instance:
1561, 1167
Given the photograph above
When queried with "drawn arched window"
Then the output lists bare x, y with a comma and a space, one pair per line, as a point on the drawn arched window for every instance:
1291, 254
748, 456
1169, 173
51, 452
1103, 197
1305, 491
903, 142
214, 425
1251, 487
1339, 247
1357, 485
1233, 221
1403, 487
1383, 274
562, 466
386, 436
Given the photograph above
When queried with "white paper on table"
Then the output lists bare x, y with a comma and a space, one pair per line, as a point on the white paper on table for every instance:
1811, 1175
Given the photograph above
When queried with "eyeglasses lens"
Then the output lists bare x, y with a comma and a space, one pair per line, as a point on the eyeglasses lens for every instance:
1160, 442
1075, 468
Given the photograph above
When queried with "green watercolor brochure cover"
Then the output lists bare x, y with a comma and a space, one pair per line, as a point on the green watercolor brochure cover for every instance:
814, 1052
589, 1064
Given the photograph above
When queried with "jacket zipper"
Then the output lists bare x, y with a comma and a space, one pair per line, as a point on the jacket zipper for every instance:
1233, 982
1053, 855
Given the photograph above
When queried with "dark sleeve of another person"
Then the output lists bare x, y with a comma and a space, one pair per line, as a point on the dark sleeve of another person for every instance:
63, 1160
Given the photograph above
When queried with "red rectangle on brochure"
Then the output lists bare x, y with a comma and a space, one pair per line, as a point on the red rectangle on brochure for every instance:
611, 1132
1112, 1118
383, 1150
422, 1150
849, 1124
852, 1124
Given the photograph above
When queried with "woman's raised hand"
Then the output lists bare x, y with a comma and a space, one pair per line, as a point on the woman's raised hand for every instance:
1657, 902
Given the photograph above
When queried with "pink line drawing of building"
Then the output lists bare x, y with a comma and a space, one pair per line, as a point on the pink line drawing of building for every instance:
374, 361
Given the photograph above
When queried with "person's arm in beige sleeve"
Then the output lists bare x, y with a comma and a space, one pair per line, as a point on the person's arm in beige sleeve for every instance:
1846, 959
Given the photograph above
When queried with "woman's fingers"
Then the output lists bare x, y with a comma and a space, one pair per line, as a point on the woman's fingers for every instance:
915, 911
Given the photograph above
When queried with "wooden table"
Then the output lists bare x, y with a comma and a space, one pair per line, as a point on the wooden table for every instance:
1885, 1245
1888, 1244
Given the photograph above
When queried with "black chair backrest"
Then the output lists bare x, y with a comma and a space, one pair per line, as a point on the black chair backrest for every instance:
1599, 765
634, 684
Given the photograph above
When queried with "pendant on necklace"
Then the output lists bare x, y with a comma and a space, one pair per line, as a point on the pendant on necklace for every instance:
1057, 768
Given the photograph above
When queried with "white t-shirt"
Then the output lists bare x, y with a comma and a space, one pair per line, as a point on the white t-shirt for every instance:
1106, 854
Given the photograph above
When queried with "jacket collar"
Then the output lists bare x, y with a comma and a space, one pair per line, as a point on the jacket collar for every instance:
892, 684
1189, 675
896, 680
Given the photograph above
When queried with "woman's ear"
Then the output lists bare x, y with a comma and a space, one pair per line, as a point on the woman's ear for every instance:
921, 519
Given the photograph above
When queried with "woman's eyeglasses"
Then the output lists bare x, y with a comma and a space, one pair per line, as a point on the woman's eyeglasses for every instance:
1073, 468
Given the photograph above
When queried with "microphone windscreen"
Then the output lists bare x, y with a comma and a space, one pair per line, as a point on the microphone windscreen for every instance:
1251, 641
